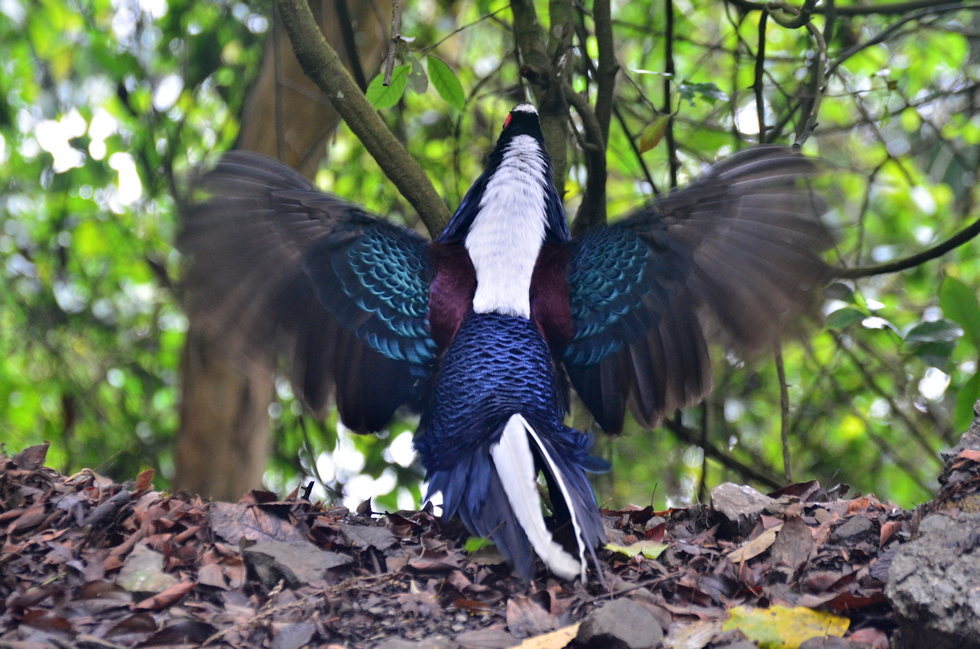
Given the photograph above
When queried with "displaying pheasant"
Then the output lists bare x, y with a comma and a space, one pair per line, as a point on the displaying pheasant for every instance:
482, 330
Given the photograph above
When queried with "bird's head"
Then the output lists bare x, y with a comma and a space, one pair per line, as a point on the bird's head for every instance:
521, 156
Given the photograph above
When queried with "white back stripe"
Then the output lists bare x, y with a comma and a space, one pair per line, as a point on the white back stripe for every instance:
506, 235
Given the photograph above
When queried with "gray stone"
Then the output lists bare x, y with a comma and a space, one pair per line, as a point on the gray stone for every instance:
739, 504
143, 572
621, 624
932, 585
857, 528
297, 562
293, 636
830, 642
435, 642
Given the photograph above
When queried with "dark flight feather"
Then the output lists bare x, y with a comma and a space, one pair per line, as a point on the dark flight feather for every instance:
734, 256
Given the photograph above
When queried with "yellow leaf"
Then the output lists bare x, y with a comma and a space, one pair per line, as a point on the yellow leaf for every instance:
554, 640
778, 627
653, 133
649, 549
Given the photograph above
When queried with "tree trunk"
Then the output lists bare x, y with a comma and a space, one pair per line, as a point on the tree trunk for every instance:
223, 440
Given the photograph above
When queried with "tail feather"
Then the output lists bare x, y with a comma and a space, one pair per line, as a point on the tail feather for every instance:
514, 462
494, 492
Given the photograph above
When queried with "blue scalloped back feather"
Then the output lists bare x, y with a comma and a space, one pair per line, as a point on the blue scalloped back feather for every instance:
496, 366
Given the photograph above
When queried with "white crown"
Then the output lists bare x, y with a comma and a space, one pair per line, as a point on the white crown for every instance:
525, 108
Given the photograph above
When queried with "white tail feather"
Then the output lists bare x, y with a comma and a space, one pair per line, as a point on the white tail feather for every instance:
556, 474
515, 465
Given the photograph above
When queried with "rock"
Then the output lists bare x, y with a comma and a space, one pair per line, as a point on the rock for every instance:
620, 624
739, 504
297, 562
830, 642
363, 536
855, 529
932, 585
143, 572
293, 635
435, 642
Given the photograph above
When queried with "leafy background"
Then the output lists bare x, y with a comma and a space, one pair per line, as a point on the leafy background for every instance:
106, 106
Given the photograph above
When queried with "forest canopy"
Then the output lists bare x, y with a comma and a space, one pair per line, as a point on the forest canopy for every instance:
106, 108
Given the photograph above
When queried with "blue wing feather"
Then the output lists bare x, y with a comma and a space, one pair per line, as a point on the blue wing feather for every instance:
280, 266
740, 245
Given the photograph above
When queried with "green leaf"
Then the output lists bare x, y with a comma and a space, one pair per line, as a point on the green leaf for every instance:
381, 96
959, 303
936, 354
968, 395
417, 80
475, 543
937, 331
710, 92
839, 291
446, 83
845, 317
649, 549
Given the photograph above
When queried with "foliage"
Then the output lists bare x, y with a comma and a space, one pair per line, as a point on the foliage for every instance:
104, 106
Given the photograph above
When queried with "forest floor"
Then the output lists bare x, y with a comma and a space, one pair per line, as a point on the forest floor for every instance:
86, 562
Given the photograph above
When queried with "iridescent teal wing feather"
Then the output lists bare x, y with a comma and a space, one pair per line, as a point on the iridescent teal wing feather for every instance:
278, 265
733, 257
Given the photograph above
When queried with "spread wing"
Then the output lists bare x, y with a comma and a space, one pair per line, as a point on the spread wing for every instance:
280, 268
734, 256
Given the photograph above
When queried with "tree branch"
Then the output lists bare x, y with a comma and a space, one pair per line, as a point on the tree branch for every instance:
592, 211
954, 241
881, 9
321, 63
608, 68
545, 77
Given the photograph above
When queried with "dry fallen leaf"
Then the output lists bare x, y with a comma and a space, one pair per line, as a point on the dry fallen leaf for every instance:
756, 546
554, 640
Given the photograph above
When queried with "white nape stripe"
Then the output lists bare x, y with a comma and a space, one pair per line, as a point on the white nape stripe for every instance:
556, 474
515, 466
506, 235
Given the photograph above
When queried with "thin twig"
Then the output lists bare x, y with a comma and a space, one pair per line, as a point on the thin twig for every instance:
939, 250
810, 113
668, 79
688, 436
395, 39
758, 86
783, 412
350, 42
636, 150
